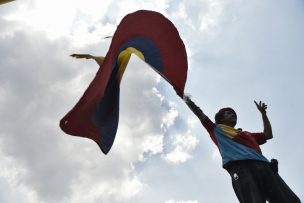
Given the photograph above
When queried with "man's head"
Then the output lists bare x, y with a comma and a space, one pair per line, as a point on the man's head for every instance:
226, 116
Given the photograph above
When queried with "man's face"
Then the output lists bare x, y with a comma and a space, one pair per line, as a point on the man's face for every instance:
229, 118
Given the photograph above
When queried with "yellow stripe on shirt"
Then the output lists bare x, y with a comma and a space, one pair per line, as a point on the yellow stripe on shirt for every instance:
230, 131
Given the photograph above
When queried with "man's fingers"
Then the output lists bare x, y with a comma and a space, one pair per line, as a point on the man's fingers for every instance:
261, 106
258, 104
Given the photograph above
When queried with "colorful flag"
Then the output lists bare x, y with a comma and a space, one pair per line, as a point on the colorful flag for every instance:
151, 37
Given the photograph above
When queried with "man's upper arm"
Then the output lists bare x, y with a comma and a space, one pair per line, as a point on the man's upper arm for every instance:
260, 138
207, 123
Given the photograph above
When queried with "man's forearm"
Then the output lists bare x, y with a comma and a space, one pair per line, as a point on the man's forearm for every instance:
195, 109
267, 126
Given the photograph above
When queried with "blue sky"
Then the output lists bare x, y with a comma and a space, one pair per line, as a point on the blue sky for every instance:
238, 51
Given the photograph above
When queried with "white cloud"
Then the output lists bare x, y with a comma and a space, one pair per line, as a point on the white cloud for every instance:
181, 201
53, 167
157, 93
216, 155
110, 191
178, 155
211, 17
153, 143
10, 175
59, 18
169, 118
183, 145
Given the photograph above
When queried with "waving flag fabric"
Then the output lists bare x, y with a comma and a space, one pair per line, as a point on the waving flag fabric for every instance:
155, 40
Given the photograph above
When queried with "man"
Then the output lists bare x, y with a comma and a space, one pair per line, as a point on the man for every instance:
254, 178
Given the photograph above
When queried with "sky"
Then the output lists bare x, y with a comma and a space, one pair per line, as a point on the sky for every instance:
238, 51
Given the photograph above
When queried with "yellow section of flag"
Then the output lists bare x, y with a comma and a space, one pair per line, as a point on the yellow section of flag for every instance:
124, 58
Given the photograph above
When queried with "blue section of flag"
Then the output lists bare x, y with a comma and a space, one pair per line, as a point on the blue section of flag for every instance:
106, 115
148, 48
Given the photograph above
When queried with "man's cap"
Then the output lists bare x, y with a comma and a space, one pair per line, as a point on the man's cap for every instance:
221, 111
226, 109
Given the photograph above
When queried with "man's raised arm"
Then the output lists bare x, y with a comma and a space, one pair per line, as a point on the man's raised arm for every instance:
194, 108
267, 126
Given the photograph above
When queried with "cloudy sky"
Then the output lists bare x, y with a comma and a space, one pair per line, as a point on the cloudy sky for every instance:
238, 51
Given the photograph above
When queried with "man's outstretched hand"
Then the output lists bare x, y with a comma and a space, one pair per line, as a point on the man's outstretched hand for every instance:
195, 109
261, 107
98, 59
